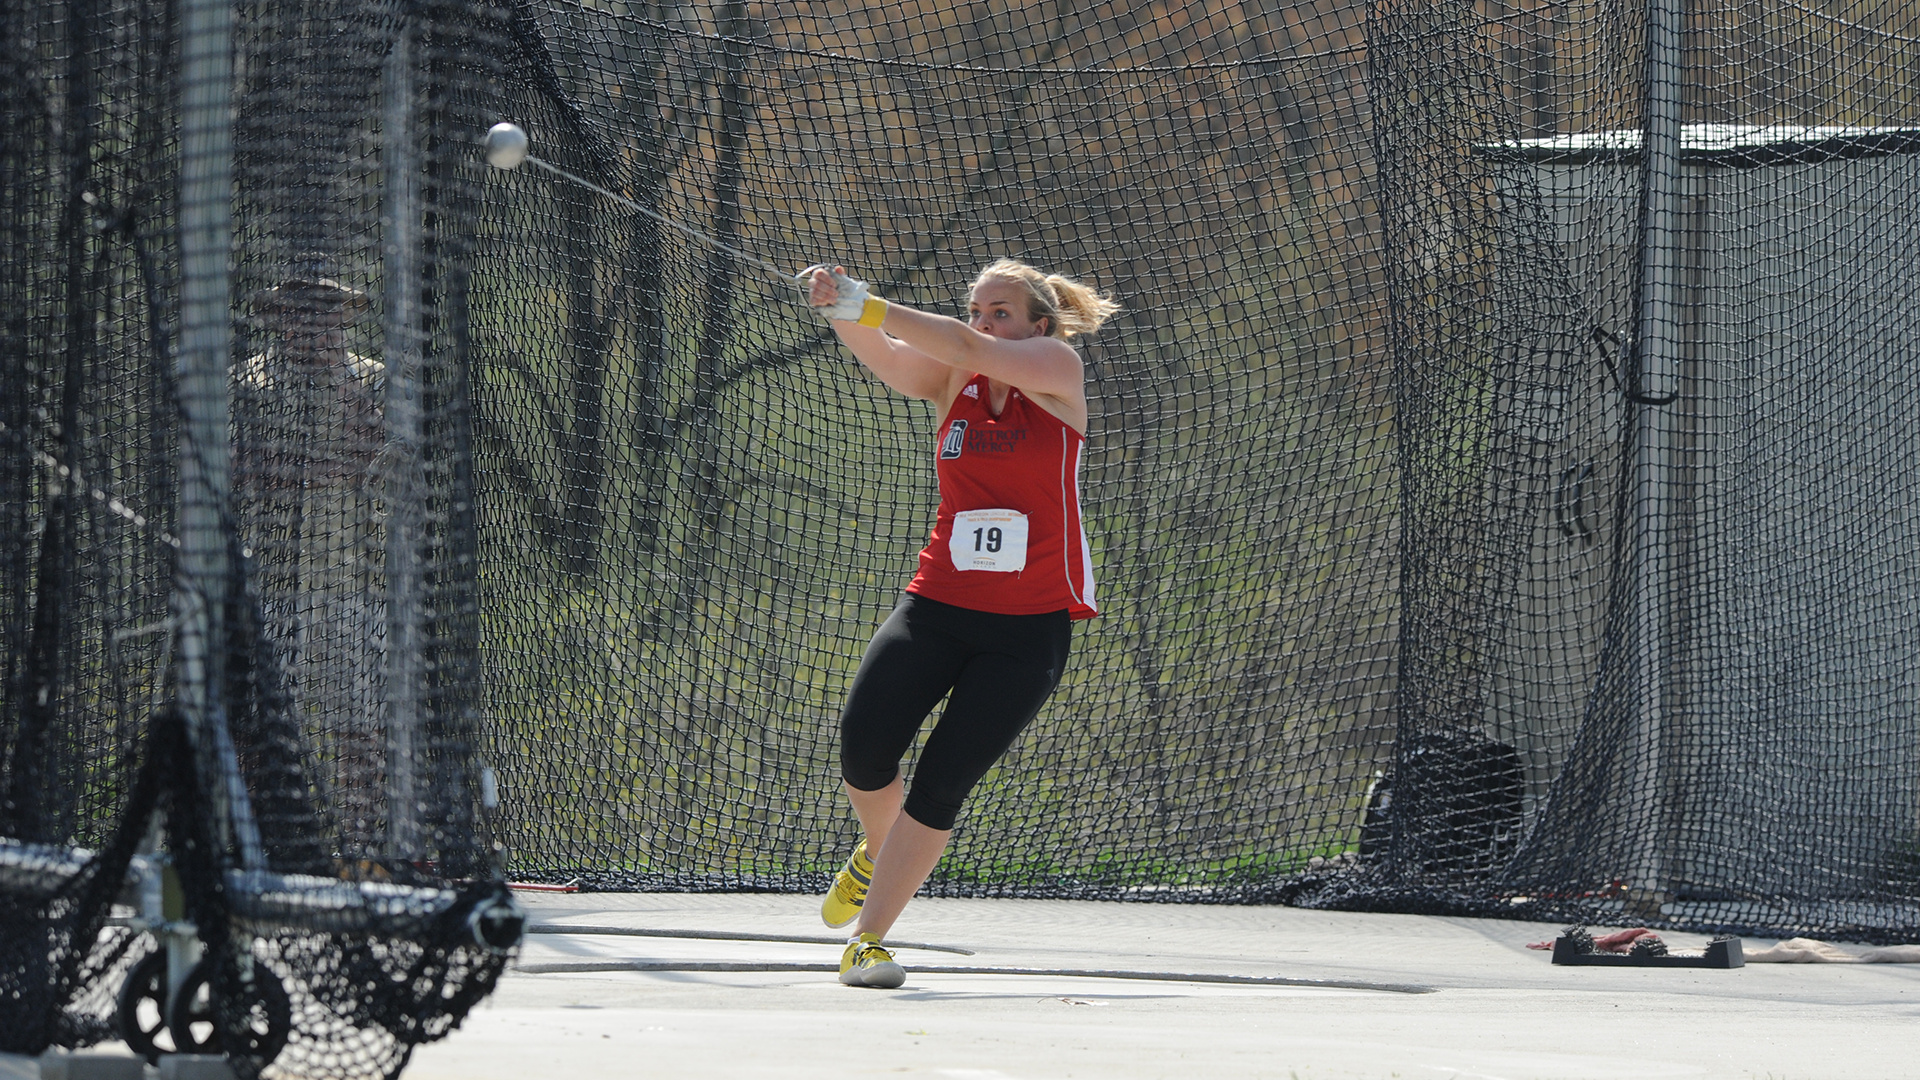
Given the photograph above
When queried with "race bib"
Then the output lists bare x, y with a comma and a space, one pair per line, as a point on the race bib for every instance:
989, 540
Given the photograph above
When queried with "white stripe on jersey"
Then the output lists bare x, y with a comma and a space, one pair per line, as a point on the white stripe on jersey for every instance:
1081, 591
1086, 551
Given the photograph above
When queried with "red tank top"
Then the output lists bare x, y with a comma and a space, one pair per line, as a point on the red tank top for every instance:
1009, 512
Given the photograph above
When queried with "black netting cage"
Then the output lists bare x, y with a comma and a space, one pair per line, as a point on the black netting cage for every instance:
1500, 479
244, 807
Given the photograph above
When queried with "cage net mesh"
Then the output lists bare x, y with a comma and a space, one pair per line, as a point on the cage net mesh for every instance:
1499, 483
240, 595
1652, 333
1470, 537
696, 508
86, 499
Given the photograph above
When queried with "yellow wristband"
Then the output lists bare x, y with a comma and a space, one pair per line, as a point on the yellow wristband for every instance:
873, 312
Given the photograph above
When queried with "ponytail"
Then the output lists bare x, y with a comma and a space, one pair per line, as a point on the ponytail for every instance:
1070, 307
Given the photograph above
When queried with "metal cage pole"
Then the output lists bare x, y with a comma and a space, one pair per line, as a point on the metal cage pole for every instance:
1657, 344
206, 477
200, 379
403, 333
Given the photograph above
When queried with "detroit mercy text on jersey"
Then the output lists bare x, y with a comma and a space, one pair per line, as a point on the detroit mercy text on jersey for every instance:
1008, 538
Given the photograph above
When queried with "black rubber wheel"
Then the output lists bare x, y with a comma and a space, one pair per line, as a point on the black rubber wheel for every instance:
268, 1023
140, 1011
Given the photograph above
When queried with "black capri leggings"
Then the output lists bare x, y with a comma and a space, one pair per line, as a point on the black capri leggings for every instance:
1000, 669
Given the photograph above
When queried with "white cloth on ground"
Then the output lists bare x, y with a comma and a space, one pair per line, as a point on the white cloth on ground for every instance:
1809, 951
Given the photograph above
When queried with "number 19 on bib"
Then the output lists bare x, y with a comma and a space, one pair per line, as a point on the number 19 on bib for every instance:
989, 540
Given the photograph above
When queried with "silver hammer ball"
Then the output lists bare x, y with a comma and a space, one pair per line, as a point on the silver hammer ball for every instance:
506, 146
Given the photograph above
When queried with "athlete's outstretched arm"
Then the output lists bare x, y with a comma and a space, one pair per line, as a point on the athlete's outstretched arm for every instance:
1038, 365
894, 362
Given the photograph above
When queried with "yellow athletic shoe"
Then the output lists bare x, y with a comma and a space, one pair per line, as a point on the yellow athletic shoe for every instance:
868, 963
849, 891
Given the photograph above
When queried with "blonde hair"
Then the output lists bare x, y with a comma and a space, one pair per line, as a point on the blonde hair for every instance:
1068, 306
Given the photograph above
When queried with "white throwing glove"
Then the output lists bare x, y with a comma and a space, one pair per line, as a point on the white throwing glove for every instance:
854, 302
